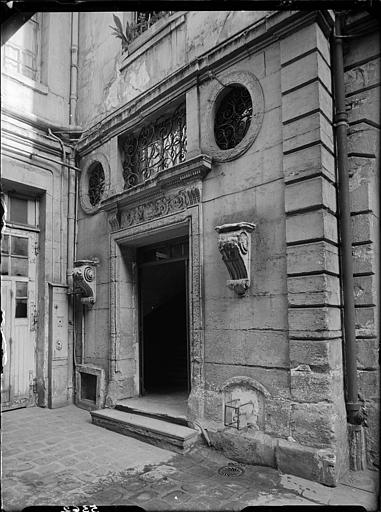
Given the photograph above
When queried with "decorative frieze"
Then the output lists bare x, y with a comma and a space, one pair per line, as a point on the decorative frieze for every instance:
164, 205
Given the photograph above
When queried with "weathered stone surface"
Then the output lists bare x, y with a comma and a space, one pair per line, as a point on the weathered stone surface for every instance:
252, 347
314, 319
364, 105
372, 433
309, 386
368, 353
313, 290
313, 424
363, 138
276, 381
365, 321
249, 448
304, 70
320, 355
369, 383
313, 192
308, 38
303, 100
311, 225
310, 463
312, 257
277, 417
363, 184
364, 258
309, 161
362, 75
364, 226
308, 130
365, 290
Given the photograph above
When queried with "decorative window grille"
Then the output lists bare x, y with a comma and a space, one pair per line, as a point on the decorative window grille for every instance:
157, 146
96, 183
21, 52
233, 117
145, 19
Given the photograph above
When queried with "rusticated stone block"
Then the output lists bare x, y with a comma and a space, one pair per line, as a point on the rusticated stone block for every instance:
314, 424
307, 130
365, 321
369, 384
311, 463
362, 75
314, 319
277, 417
314, 192
311, 225
307, 162
368, 353
365, 290
363, 258
364, 226
321, 355
363, 138
372, 433
364, 105
363, 188
309, 386
299, 42
313, 289
312, 257
307, 98
304, 70
246, 447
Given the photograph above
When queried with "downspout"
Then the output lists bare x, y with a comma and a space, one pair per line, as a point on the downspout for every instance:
354, 415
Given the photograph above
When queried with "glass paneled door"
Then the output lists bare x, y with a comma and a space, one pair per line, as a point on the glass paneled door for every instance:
18, 299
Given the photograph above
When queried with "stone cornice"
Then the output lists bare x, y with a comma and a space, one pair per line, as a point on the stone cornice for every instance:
182, 174
259, 35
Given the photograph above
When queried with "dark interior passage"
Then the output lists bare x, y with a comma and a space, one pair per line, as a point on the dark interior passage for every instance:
164, 326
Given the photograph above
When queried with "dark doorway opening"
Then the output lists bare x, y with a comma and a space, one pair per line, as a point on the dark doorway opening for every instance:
163, 317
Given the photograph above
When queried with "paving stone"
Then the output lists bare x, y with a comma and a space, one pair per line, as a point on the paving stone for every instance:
146, 495
176, 497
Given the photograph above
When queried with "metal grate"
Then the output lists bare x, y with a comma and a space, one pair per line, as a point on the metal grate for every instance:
231, 470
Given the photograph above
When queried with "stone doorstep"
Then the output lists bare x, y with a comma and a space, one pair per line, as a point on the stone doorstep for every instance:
179, 420
147, 429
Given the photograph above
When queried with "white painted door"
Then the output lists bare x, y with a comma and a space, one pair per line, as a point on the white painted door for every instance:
18, 299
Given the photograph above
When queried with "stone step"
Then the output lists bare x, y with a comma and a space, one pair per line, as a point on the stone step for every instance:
150, 430
141, 410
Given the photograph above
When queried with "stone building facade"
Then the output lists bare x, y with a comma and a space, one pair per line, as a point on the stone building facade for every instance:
196, 240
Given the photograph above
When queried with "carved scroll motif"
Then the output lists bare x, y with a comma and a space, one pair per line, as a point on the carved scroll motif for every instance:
161, 206
234, 245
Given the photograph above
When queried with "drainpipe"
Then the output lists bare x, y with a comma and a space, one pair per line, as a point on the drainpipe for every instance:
73, 67
354, 415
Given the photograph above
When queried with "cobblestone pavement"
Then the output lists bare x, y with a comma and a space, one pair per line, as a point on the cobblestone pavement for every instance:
57, 457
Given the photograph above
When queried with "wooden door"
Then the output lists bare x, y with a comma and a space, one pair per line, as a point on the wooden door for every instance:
18, 295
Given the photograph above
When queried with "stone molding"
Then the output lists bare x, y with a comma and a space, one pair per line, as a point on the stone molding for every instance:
166, 194
84, 181
224, 80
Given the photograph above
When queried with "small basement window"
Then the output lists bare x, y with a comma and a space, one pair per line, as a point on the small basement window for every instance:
88, 387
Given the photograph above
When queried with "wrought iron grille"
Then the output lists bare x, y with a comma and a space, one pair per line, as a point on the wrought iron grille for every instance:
158, 146
233, 117
96, 183
145, 19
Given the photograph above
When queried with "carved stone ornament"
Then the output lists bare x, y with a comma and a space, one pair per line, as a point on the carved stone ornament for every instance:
163, 205
234, 245
84, 280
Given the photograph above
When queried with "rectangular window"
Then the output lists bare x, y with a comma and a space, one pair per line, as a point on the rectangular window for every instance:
21, 52
155, 147
21, 299
18, 211
14, 256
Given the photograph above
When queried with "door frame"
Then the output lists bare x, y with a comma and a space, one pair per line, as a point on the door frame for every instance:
142, 390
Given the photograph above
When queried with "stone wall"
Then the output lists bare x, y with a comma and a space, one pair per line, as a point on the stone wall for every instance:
362, 88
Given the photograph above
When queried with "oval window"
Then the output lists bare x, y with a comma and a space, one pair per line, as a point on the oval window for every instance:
96, 183
233, 116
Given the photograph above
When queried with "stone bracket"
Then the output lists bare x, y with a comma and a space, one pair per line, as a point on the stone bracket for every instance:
84, 280
234, 243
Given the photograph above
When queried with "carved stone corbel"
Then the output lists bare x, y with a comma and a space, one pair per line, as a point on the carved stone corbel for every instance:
234, 245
